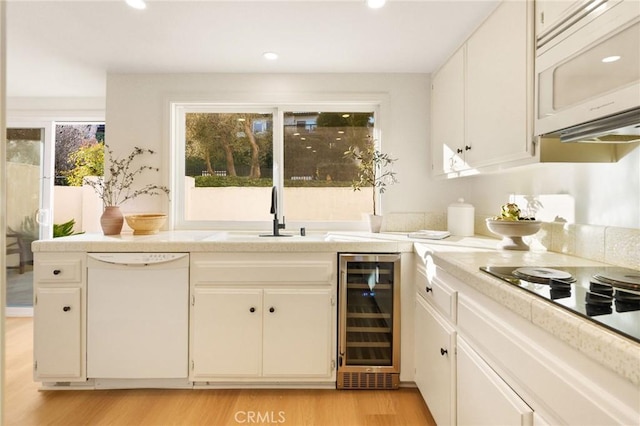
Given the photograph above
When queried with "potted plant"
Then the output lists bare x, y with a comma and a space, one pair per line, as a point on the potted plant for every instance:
117, 188
375, 171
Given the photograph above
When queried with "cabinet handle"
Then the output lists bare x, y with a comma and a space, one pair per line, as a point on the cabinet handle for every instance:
443, 351
467, 148
459, 150
66, 308
428, 289
252, 309
272, 309
56, 271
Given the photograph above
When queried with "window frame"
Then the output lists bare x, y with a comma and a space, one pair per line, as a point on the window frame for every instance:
178, 109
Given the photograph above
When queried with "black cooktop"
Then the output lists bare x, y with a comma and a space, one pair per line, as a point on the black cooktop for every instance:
609, 296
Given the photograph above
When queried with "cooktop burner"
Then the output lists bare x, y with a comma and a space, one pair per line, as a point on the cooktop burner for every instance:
609, 296
542, 275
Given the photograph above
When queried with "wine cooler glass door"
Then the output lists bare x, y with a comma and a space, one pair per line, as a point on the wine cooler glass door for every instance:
368, 309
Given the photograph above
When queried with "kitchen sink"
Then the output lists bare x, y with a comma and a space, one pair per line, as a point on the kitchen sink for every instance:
243, 236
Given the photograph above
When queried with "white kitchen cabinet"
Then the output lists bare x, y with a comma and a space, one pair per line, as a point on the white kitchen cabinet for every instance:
59, 317
435, 362
482, 97
244, 333
499, 87
226, 340
263, 317
296, 333
447, 115
483, 397
510, 371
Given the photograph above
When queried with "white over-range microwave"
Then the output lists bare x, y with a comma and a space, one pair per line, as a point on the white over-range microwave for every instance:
588, 73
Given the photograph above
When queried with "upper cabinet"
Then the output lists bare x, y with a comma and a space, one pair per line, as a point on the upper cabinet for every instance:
482, 97
447, 115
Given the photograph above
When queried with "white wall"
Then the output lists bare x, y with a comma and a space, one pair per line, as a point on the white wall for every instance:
603, 194
137, 108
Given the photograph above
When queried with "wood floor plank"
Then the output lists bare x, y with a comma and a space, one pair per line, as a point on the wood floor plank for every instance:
27, 406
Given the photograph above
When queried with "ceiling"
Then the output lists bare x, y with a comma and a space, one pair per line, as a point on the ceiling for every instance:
66, 48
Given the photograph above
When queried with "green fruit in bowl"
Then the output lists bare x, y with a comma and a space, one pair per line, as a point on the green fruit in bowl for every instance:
510, 211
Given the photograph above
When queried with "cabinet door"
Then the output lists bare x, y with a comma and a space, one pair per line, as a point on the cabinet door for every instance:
483, 397
58, 334
499, 87
435, 362
298, 333
226, 333
447, 116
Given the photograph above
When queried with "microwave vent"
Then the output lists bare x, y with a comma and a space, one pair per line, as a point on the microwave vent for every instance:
619, 128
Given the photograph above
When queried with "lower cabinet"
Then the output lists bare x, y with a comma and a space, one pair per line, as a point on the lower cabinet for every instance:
483, 397
251, 333
226, 336
59, 317
483, 364
435, 362
263, 318
58, 334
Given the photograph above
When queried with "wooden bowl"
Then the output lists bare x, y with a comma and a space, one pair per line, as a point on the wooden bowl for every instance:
146, 224
513, 231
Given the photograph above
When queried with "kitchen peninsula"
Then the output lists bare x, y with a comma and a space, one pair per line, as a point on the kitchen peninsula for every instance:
595, 361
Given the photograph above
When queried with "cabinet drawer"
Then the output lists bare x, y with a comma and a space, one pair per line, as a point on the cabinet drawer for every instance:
483, 397
50, 268
437, 293
263, 268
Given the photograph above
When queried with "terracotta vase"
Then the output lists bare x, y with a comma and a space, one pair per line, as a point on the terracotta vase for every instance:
111, 220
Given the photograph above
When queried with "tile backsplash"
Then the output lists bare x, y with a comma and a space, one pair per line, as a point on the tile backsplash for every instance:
615, 246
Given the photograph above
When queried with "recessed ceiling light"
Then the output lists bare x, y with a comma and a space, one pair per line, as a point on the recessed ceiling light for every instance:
376, 4
137, 4
272, 56
611, 59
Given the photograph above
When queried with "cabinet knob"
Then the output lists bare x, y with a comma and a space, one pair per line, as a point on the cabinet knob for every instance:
272, 309
459, 150
443, 351
66, 308
467, 147
252, 309
56, 271
428, 289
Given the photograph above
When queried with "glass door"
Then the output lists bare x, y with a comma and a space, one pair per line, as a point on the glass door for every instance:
26, 218
369, 311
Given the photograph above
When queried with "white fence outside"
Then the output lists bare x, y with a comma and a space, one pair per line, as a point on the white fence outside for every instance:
227, 203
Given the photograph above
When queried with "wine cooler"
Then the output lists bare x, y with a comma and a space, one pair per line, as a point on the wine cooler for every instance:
369, 321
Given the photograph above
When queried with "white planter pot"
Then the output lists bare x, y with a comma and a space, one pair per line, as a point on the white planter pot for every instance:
374, 221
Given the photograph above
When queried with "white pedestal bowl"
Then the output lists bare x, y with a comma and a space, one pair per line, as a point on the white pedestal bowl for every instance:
513, 231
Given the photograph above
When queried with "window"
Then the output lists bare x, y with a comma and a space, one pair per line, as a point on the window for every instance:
227, 158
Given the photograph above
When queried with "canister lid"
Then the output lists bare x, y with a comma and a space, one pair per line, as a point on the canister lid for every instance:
461, 204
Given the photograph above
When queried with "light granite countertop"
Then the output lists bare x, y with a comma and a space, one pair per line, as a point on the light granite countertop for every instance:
461, 257
615, 351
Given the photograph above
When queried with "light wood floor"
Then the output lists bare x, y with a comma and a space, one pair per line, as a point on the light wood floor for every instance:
26, 406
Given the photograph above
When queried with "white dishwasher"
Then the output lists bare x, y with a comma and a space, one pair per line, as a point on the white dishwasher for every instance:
137, 315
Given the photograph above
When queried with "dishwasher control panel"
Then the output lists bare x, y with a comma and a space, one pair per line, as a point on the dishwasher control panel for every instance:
136, 258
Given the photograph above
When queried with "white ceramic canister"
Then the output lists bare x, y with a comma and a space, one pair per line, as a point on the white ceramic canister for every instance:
460, 218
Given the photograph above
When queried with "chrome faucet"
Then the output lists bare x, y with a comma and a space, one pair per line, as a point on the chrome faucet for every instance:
277, 226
